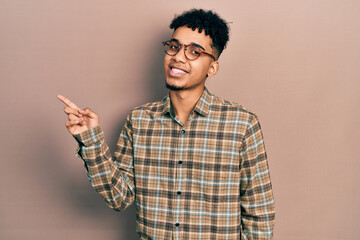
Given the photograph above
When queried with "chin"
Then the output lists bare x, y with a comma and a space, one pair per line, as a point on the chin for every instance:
173, 87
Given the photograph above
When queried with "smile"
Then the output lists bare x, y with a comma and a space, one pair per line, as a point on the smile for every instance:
177, 72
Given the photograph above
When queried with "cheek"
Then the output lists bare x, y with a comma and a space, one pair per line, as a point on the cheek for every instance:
166, 63
167, 58
201, 69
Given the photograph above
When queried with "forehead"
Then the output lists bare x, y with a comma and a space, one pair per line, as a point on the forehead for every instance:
186, 35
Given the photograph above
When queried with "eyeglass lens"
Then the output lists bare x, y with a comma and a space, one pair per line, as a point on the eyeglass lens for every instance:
191, 52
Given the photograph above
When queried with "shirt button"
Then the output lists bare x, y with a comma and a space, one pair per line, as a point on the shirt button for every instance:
180, 162
179, 192
183, 131
177, 224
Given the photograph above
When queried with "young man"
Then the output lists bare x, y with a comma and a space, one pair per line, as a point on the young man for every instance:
194, 163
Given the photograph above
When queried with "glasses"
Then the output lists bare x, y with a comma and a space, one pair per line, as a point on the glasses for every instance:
192, 51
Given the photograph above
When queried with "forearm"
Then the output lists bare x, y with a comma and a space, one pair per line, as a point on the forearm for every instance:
108, 178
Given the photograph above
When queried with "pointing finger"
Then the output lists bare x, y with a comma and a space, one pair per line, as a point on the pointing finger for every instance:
69, 110
67, 102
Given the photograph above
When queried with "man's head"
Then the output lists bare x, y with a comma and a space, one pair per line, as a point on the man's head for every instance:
208, 21
198, 39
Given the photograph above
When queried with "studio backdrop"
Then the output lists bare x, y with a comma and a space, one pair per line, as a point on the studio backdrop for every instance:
296, 64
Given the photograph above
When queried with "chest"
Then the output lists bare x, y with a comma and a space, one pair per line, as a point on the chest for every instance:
204, 150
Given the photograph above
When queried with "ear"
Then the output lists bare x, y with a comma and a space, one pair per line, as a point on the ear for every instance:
213, 68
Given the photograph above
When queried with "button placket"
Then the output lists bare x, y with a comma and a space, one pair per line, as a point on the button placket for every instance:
178, 193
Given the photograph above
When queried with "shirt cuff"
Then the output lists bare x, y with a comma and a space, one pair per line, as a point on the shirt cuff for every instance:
90, 137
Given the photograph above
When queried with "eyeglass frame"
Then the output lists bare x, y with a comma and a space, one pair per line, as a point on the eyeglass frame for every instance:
185, 46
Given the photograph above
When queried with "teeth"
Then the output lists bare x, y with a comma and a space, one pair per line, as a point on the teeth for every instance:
175, 70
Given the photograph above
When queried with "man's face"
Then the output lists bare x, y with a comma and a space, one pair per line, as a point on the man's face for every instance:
183, 74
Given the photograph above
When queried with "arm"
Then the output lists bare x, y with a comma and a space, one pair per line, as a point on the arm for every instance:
112, 178
257, 201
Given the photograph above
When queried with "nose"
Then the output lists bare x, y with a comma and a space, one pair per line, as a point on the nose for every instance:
180, 56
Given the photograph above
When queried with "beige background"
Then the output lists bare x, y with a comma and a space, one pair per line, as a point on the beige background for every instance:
294, 63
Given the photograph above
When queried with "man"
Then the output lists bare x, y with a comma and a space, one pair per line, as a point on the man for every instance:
194, 163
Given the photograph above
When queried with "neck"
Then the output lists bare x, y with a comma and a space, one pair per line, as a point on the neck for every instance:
184, 102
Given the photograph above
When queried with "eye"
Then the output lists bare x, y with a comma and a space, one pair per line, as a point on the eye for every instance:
173, 45
195, 51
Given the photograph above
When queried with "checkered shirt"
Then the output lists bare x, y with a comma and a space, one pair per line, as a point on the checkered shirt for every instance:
207, 179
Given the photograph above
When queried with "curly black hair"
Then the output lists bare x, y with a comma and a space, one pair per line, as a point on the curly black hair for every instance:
209, 21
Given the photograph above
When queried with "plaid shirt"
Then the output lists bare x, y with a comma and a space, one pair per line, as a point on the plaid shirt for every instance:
207, 179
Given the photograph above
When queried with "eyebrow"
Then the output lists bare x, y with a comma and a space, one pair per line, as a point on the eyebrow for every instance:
192, 43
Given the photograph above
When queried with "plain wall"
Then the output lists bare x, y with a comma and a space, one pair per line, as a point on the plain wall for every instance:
296, 64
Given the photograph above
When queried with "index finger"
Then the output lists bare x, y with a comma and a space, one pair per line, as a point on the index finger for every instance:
67, 102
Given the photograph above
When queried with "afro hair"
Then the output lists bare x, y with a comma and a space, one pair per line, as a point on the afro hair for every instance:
210, 22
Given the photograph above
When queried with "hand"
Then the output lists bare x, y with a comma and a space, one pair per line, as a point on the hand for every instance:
79, 120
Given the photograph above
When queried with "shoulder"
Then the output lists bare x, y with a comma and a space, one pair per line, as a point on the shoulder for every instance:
231, 109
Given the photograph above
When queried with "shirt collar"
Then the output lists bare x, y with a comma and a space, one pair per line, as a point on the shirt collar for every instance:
202, 107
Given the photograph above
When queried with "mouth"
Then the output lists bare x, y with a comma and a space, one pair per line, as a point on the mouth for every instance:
177, 72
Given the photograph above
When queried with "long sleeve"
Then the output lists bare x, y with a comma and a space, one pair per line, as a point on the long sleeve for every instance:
112, 178
257, 201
